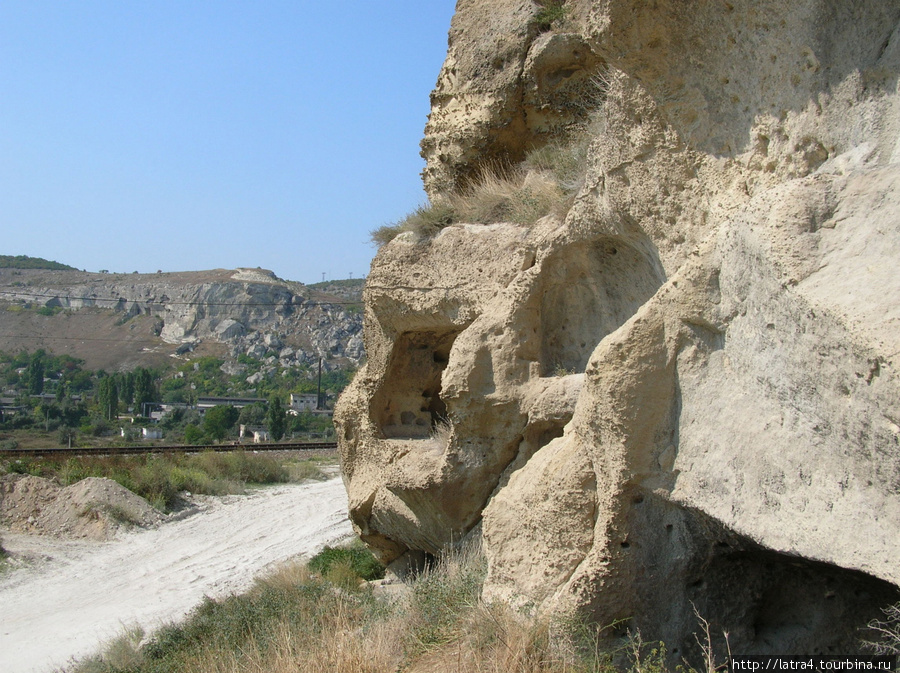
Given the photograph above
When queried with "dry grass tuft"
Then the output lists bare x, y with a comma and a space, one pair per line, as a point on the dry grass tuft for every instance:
887, 632
293, 620
519, 196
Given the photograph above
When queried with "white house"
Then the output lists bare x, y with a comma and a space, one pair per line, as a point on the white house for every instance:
304, 401
259, 434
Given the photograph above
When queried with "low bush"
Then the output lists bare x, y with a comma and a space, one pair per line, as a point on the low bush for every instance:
553, 12
518, 196
425, 221
545, 183
356, 558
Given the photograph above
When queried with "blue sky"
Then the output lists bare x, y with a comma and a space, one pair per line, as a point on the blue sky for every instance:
174, 135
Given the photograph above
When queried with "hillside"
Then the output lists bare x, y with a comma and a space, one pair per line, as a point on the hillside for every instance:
121, 321
26, 262
643, 341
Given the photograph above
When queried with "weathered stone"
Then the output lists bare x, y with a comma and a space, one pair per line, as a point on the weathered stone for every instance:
683, 394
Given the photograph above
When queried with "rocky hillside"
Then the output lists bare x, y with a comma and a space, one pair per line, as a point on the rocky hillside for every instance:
125, 320
674, 390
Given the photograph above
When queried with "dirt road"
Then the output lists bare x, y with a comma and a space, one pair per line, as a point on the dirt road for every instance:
82, 593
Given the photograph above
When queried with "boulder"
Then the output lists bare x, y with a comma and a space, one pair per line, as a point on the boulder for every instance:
678, 397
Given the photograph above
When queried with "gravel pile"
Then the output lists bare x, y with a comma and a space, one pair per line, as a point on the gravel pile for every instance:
92, 508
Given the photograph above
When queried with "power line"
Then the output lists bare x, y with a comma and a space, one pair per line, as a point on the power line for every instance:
32, 337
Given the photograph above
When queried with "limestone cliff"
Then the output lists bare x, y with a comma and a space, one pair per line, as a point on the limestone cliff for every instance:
250, 311
683, 393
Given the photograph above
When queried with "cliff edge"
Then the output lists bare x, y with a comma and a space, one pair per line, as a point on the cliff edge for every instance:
676, 391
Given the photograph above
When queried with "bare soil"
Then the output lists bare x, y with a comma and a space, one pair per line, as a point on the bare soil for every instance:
91, 508
62, 597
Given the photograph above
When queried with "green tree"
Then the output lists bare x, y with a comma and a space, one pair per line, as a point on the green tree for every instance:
126, 389
253, 414
108, 398
67, 435
194, 435
36, 373
276, 417
144, 389
218, 421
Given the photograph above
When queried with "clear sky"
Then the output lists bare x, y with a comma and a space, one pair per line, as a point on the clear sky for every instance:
186, 135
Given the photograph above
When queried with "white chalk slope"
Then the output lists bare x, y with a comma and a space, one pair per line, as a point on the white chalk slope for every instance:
84, 594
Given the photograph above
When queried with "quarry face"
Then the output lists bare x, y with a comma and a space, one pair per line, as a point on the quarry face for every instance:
679, 392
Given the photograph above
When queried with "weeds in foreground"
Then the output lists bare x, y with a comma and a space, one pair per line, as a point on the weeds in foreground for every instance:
355, 562
297, 619
160, 478
887, 631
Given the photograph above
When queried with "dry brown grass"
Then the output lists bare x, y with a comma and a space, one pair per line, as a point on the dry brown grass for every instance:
293, 621
518, 195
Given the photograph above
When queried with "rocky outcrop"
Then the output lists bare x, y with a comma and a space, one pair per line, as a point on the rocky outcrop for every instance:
682, 396
250, 310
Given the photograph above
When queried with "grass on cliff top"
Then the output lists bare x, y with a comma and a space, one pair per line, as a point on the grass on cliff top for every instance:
545, 183
520, 195
322, 616
159, 478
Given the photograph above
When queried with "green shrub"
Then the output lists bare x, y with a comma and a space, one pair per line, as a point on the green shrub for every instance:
444, 592
425, 221
357, 558
194, 435
552, 12
305, 470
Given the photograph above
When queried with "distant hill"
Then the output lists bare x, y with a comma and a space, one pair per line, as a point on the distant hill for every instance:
26, 262
350, 289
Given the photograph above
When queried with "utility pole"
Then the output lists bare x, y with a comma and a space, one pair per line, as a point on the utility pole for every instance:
323, 276
319, 387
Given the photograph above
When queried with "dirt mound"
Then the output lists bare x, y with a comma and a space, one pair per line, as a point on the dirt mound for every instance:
93, 508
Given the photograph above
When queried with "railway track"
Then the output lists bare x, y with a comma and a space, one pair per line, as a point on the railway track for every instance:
172, 448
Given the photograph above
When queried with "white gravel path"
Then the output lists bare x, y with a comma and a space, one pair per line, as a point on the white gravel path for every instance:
83, 593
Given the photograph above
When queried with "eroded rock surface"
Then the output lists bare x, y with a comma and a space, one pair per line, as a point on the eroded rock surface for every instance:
251, 311
683, 394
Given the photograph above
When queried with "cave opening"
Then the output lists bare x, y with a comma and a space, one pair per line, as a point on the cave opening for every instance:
409, 403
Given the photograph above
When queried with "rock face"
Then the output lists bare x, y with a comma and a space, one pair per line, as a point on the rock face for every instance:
250, 310
682, 396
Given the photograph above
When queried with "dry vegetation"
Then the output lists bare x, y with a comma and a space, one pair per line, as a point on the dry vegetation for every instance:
544, 184
519, 195
160, 478
323, 616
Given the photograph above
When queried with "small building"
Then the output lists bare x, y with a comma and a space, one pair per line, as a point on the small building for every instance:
258, 433
304, 401
152, 433
204, 403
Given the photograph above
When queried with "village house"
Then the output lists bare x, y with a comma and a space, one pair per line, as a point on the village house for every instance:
258, 433
304, 401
